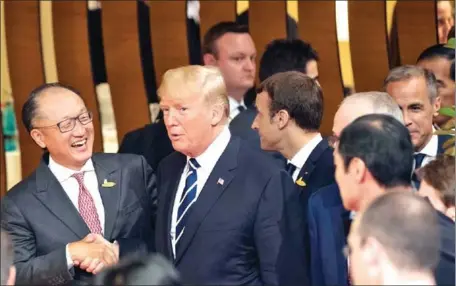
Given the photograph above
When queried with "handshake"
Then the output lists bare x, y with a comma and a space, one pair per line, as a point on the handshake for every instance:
93, 253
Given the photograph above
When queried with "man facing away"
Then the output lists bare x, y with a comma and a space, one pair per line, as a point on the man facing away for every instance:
78, 212
226, 214
395, 241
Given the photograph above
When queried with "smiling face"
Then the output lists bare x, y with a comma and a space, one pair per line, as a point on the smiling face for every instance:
70, 149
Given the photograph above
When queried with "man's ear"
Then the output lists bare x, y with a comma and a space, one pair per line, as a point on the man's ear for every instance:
209, 60
283, 118
437, 104
358, 168
38, 137
218, 111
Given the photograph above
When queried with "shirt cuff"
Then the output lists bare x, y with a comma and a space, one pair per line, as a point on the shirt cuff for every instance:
68, 258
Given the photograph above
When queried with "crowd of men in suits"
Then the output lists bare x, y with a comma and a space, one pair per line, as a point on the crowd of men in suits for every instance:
232, 194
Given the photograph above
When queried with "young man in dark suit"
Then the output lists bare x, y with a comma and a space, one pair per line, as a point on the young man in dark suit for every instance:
226, 214
78, 212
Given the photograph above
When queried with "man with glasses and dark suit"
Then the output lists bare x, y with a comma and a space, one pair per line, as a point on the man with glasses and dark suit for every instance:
78, 212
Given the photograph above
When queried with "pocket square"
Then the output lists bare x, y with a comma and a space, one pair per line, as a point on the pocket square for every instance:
107, 184
300, 182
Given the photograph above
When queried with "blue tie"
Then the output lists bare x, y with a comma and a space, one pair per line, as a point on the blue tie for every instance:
419, 157
187, 199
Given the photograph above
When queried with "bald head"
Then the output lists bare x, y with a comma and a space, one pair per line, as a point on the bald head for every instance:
363, 103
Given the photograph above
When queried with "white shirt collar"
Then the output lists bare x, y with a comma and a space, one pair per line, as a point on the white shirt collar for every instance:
234, 104
209, 157
300, 158
63, 173
431, 147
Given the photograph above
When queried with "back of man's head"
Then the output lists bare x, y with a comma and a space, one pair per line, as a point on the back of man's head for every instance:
152, 270
407, 228
8, 272
217, 31
383, 144
286, 55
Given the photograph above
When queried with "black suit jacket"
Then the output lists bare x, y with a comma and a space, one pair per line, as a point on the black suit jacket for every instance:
42, 220
150, 141
329, 225
444, 273
246, 231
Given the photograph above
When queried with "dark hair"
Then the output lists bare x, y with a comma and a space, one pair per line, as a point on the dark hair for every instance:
217, 31
437, 51
286, 55
30, 107
298, 94
407, 228
440, 175
383, 144
451, 33
154, 269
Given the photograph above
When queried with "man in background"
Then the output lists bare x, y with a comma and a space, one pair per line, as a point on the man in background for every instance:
395, 241
415, 90
445, 19
8, 271
438, 60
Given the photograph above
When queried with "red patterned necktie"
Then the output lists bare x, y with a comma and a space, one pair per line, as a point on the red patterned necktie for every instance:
87, 207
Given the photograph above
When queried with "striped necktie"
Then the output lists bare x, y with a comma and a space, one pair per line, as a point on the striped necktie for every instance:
187, 200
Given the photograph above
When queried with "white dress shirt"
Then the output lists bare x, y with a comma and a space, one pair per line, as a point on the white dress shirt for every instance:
207, 161
430, 150
71, 187
234, 107
300, 158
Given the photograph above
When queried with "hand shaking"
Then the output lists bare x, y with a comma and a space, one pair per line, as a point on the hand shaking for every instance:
93, 253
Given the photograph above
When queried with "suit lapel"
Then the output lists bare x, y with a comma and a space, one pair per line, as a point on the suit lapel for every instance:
109, 182
311, 162
210, 193
53, 197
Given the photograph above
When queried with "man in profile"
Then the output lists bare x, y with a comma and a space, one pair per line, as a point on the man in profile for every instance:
395, 241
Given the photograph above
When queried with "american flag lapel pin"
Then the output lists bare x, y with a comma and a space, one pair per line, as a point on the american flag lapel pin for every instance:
220, 181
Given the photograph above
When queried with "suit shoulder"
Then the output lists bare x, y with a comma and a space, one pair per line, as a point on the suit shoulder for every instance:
120, 158
328, 195
22, 188
256, 159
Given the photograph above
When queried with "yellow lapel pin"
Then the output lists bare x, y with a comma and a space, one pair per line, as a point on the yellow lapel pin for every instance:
300, 182
107, 184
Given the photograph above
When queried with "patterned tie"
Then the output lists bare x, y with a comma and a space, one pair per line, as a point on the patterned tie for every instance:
419, 157
87, 207
187, 199
291, 169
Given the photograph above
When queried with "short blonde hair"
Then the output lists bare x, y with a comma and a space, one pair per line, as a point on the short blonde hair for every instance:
202, 80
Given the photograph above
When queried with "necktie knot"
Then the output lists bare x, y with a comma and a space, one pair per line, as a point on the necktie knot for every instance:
193, 164
419, 157
241, 108
79, 177
290, 168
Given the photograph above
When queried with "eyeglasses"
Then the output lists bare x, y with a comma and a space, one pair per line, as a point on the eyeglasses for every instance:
68, 124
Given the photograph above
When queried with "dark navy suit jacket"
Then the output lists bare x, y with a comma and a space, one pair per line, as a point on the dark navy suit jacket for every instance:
247, 230
329, 224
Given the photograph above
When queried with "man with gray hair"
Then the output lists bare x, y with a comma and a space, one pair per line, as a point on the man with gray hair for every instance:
395, 241
415, 90
8, 271
328, 220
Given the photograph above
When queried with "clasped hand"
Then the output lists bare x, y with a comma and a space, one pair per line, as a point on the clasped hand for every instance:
93, 253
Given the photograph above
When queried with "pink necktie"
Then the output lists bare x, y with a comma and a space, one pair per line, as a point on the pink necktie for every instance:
87, 207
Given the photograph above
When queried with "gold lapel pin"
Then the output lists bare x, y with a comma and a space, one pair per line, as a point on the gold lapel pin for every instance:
107, 184
300, 182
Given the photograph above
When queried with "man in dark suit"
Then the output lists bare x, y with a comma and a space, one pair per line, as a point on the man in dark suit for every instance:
226, 214
329, 222
78, 212
415, 90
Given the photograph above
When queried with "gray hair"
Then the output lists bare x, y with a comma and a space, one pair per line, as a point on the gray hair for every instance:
406, 226
6, 257
408, 72
376, 102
